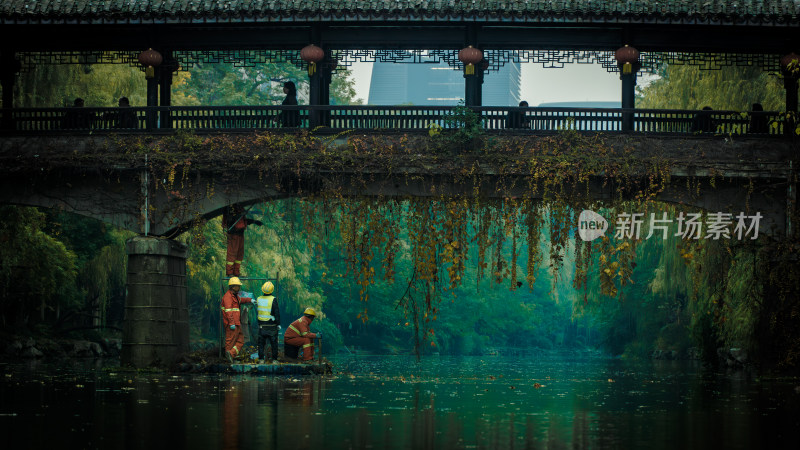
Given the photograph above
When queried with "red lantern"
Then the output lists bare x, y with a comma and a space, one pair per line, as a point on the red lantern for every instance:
791, 64
470, 56
626, 57
312, 55
150, 59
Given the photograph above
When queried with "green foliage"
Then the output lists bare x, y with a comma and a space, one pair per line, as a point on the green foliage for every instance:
70, 270
463, 130
343, 89
37, 272
729, 88
260, 85
100, 85
238, 86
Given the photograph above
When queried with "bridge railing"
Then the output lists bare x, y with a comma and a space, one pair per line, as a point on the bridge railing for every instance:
400, 118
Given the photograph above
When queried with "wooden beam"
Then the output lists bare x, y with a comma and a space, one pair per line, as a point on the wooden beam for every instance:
387, 35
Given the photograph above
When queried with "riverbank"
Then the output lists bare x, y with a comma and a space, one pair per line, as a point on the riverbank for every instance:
28, 347
204, 356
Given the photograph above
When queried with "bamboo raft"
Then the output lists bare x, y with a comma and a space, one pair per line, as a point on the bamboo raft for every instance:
315, 368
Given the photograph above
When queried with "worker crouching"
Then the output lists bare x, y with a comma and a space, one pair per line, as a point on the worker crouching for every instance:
298, 337
234, 339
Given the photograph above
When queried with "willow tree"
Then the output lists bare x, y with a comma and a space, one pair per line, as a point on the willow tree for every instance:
100, 85
733, 88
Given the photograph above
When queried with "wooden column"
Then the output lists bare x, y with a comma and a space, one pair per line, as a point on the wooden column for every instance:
628, 99
790, 68
9, 66
481, 72
628, 62
319, 91
790, 84
472, 81
326, 74
472, 91
168, 67
314, 96
790, 125
152, 98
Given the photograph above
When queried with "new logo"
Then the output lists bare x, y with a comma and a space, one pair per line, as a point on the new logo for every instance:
591, 225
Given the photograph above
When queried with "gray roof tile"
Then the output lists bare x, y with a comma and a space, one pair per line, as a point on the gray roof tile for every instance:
767, 11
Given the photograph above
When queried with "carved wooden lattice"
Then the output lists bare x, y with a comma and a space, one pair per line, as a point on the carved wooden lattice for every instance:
650, 61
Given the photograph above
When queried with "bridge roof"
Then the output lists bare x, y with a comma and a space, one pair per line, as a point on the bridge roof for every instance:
680, 12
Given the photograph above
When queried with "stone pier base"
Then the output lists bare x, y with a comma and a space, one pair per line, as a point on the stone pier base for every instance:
156, 325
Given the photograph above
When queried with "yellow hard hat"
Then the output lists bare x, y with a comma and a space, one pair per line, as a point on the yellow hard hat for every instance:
234, 281
310, 312
267, 288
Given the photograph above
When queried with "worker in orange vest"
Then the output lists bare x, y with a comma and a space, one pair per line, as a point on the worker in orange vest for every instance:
299, 336
234, 223
234, 339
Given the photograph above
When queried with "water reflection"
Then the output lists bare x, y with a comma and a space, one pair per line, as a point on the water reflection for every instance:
391, 402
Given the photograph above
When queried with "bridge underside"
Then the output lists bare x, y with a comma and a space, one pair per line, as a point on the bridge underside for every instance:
137, 196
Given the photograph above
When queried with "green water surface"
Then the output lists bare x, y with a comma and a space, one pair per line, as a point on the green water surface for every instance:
395, 402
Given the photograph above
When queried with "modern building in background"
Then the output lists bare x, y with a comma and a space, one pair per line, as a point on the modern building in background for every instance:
438, 85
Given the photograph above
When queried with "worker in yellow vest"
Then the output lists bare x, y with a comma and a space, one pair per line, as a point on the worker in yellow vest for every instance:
269, 320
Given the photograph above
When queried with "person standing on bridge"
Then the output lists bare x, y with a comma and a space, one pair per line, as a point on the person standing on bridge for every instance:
518, 119
127, 117
758, 120
234, 339
269, 319
234, 223
289, 118
299, 336
77, 117
702, 122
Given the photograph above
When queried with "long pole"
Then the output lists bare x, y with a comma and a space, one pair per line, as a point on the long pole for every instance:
146, 197
220, 331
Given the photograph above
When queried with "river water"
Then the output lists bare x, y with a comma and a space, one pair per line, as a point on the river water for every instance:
394, 402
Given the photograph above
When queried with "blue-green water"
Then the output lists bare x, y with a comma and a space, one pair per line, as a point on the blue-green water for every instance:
396, 403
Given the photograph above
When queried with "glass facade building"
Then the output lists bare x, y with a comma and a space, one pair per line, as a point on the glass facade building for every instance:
438, 85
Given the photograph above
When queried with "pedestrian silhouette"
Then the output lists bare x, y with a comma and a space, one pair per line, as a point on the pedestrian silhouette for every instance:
702, 121
123, 117
758, 120
289, 118
77, 117
518, 119
127, 117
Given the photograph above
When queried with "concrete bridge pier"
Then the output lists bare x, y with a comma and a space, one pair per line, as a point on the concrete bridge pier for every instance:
156, 324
